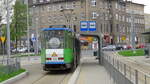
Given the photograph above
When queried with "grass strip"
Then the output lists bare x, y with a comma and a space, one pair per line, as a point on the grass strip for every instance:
129, 53
4, 77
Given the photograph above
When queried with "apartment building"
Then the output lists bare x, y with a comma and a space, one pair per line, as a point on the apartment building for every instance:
135, 20
113, 17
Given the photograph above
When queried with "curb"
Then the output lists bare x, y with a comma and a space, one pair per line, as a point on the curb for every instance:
75, 75
13, 79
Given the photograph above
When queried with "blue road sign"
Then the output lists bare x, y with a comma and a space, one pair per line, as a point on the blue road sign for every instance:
33, 39
83, 25
87, 25
92, 25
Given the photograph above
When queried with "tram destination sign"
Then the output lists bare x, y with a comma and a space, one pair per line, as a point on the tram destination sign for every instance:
92, 25
87, 25
84, 26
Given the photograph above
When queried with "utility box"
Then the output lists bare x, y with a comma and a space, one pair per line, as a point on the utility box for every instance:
95, 53
147, 51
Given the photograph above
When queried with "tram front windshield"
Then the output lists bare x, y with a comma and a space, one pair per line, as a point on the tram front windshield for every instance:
54, 39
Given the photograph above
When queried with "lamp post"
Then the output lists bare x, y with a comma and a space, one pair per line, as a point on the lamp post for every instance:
28, 35
8, 32
36, 32
132, 28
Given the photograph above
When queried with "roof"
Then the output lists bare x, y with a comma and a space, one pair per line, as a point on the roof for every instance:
135, 3
49, 29
146, 33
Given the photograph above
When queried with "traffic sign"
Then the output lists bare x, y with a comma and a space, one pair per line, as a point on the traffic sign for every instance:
92, 25
83, 25
123, 38
2, 39
33, 39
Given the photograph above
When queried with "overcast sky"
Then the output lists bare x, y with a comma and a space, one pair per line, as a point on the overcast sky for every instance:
145, 2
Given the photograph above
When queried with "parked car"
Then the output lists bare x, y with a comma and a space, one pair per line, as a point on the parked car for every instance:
129, 46
109, 47
119, 47
15, 50
140, 46
124, 47
23, 50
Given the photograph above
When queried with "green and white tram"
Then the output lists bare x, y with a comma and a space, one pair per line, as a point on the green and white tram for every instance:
60, 49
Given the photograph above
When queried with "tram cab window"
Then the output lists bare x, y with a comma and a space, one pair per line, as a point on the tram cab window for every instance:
54, 39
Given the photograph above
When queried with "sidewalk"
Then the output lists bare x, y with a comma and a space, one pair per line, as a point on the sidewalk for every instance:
141, 59
93, 73
138, 62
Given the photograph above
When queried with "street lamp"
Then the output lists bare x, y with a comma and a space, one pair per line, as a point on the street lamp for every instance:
36, 33
28, 35
8, 32
132, 28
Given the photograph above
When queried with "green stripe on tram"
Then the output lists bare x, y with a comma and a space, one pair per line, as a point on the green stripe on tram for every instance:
68, 55
43, 56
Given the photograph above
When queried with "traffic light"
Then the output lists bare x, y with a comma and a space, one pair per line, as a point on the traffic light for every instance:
107, 38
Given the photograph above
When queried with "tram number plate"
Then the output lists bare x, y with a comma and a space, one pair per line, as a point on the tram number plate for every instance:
55, 59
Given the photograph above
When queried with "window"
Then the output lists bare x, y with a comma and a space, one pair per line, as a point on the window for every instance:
50, 8
106, 16
93, 2
116, 16
94, 14
117, 26
116, 5
119, 17
69, 5
34, 1
41, 0
123, 18
101, 5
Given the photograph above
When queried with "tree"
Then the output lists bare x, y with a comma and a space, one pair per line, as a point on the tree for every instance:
18, 26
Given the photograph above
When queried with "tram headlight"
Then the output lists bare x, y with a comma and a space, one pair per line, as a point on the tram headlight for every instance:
54, 42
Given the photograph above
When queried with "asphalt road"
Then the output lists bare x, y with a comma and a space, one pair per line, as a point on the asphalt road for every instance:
38, 76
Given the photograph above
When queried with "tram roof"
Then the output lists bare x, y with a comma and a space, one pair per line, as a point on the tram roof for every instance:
48, 29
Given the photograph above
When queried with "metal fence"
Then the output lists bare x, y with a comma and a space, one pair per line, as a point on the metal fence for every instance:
9, 65
123, 73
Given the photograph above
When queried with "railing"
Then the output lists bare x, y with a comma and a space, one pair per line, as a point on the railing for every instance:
9, 65
123, 73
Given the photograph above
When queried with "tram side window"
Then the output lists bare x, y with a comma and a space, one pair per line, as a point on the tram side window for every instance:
43, 40
68, 40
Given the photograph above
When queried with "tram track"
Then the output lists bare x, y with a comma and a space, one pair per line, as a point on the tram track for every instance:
57, 77
38, 76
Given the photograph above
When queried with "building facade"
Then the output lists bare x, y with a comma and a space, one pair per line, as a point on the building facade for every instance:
114, 18
128, 18
147, 21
